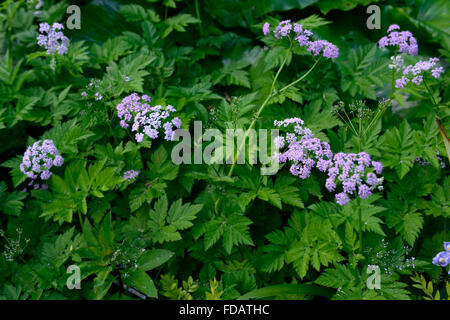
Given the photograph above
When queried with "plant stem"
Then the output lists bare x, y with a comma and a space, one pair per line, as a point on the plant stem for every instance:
197, 11
438, 122
302, 77
271, 94
252, 124
81, 219
391, 93
360, 226
429, 92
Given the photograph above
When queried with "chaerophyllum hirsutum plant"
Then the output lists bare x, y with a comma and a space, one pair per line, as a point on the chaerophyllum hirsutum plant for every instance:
92, 120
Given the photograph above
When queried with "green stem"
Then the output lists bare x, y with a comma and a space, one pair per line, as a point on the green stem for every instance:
271, 94
252, 124
391, 93
441, 129
350, 122
375, 118
81, 219
302, 77
360, 226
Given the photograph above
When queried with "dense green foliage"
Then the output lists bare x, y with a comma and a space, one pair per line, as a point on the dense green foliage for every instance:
199, 231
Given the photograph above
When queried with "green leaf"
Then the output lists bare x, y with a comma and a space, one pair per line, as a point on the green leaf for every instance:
286, 289
236, 232
153, 258
106, 233
180, 216
178, 23
10, 203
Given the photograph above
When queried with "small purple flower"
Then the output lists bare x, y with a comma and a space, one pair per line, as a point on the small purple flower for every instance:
416, 72
378, 166
342, 198
302, 36
58, 161
417, 80
45, 175
130, 175
401, 83
279, 142
283, 29
176, 122
371, 179
443, 258
330, 184
447, 246
364, 191
266, 29
393, 27
52, 40
436, 73
139, 137
146, 120
329, 49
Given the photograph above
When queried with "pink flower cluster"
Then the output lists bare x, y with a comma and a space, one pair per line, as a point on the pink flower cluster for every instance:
415, 73
302, 36
145, 120
52, 39
403, 39
355, 172
38, 159
130, 175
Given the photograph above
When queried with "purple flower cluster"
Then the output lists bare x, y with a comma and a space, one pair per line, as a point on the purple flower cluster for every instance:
302, 36
145, 120
443, 258
39, 158
355, 172
52, 39
403, 39
426, 162
415, 73
303, 150
130, 175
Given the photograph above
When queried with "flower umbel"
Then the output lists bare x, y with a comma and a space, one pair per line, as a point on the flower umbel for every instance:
130, 175
404, 40
357, 173
38, 159
303, 37
53, 40
146, 120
